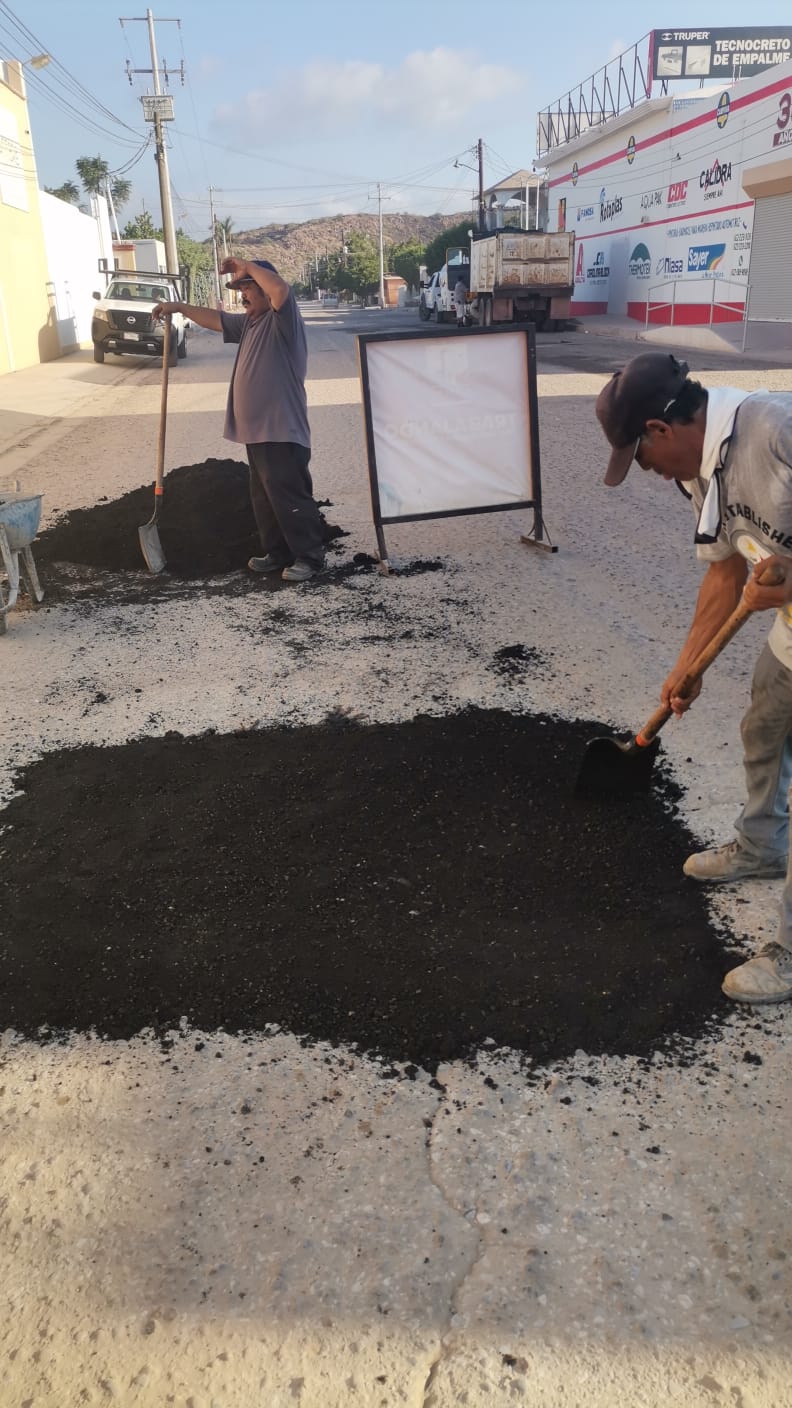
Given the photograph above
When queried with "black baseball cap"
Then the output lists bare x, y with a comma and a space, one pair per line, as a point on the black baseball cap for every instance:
643, 390
248, 278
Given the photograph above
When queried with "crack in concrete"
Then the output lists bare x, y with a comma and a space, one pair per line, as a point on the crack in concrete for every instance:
469, 1217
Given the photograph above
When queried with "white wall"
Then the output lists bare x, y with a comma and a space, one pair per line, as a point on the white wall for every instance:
656, 196
74, 243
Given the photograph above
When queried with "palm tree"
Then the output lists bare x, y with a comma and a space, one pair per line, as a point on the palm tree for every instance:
224, 228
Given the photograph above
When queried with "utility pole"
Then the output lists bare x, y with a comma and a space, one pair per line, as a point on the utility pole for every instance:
112, 209
482, 222
218, 295
381, 250
158, 110
380, 199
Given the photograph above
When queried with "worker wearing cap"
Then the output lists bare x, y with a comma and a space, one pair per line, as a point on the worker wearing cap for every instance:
267, 412
730, 452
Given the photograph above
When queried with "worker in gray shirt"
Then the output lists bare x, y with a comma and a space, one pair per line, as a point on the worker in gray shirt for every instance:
267, 412
730, 452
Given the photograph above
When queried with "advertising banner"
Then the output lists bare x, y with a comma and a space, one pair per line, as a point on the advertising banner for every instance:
719, 53
451, 424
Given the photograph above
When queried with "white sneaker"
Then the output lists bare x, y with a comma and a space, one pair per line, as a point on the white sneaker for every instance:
300, 571
731, 862
766, 978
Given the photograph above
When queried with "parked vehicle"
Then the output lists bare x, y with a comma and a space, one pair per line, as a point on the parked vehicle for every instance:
437, 298
122, 320
522, 276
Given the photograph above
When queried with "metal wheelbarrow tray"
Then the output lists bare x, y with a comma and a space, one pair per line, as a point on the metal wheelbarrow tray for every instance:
20, 515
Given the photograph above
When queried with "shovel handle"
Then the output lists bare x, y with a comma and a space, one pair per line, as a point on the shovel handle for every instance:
771, 577
166, 350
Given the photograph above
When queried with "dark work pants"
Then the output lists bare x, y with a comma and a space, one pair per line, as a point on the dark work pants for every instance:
281, 491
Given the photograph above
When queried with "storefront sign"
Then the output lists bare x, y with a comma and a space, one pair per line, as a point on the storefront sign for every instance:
783, 136
713, 180
609, 208
705, 258
717, 53
640, 262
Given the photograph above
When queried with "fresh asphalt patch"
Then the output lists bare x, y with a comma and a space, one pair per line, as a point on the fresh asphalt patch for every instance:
417, 890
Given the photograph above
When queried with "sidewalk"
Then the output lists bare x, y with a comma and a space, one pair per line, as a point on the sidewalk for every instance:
766, 342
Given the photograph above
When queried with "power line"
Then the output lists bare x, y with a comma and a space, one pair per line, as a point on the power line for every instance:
71, 84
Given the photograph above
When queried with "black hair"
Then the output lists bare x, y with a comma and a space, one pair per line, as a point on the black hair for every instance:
689, 401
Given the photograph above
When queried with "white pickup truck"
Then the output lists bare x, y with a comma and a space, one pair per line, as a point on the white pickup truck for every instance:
122, 321
437, 297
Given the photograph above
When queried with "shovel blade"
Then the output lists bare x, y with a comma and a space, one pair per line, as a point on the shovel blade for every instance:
613, 769
151, 547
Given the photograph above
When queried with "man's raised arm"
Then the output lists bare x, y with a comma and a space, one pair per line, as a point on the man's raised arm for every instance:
204, 317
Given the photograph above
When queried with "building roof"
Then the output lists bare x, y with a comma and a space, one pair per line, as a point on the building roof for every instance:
511, 186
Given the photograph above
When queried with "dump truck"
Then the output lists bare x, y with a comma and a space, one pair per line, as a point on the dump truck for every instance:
522, 276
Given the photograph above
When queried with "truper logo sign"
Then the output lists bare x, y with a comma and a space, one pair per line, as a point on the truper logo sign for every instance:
677, 192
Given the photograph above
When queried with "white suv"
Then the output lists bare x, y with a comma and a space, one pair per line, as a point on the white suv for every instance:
122, 320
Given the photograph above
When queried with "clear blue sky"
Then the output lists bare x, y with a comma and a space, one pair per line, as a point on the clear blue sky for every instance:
296, 108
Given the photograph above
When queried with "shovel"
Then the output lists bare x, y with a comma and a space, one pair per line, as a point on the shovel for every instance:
619, 769
149, 534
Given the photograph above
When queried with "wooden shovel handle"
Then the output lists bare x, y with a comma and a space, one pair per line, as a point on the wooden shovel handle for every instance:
166, 348
771, 577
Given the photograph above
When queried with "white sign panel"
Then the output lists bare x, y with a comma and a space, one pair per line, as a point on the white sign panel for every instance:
451, 423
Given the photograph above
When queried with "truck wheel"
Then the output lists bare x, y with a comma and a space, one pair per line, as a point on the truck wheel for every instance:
181, 348
98, 353
172, 351
423, 312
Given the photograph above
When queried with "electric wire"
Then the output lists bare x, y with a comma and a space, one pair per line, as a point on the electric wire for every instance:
71, 84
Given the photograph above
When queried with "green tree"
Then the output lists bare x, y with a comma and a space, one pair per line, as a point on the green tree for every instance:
141, 228
121, 191
68, 192
194, 258
94, 173
404, 259
435, 253
360, 271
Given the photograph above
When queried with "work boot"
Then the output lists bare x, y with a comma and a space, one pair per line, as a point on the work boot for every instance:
301, 571
267, 564
731, 862
766, 978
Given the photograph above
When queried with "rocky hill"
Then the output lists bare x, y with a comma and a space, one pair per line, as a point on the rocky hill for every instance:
291, 247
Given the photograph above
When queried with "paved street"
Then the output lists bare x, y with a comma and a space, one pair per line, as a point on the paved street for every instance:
226, 1219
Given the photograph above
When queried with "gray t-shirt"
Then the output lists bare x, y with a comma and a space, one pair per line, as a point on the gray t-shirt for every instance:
266, 398
756, 497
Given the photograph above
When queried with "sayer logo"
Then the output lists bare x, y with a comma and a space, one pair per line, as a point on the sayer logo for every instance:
580, 277
677, 192
713, 180
669, 266
704, 258
640, 262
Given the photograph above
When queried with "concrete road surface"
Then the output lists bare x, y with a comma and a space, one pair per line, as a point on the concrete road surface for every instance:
605, 1231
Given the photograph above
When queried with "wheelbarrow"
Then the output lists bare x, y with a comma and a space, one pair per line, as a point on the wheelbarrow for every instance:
20, 515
